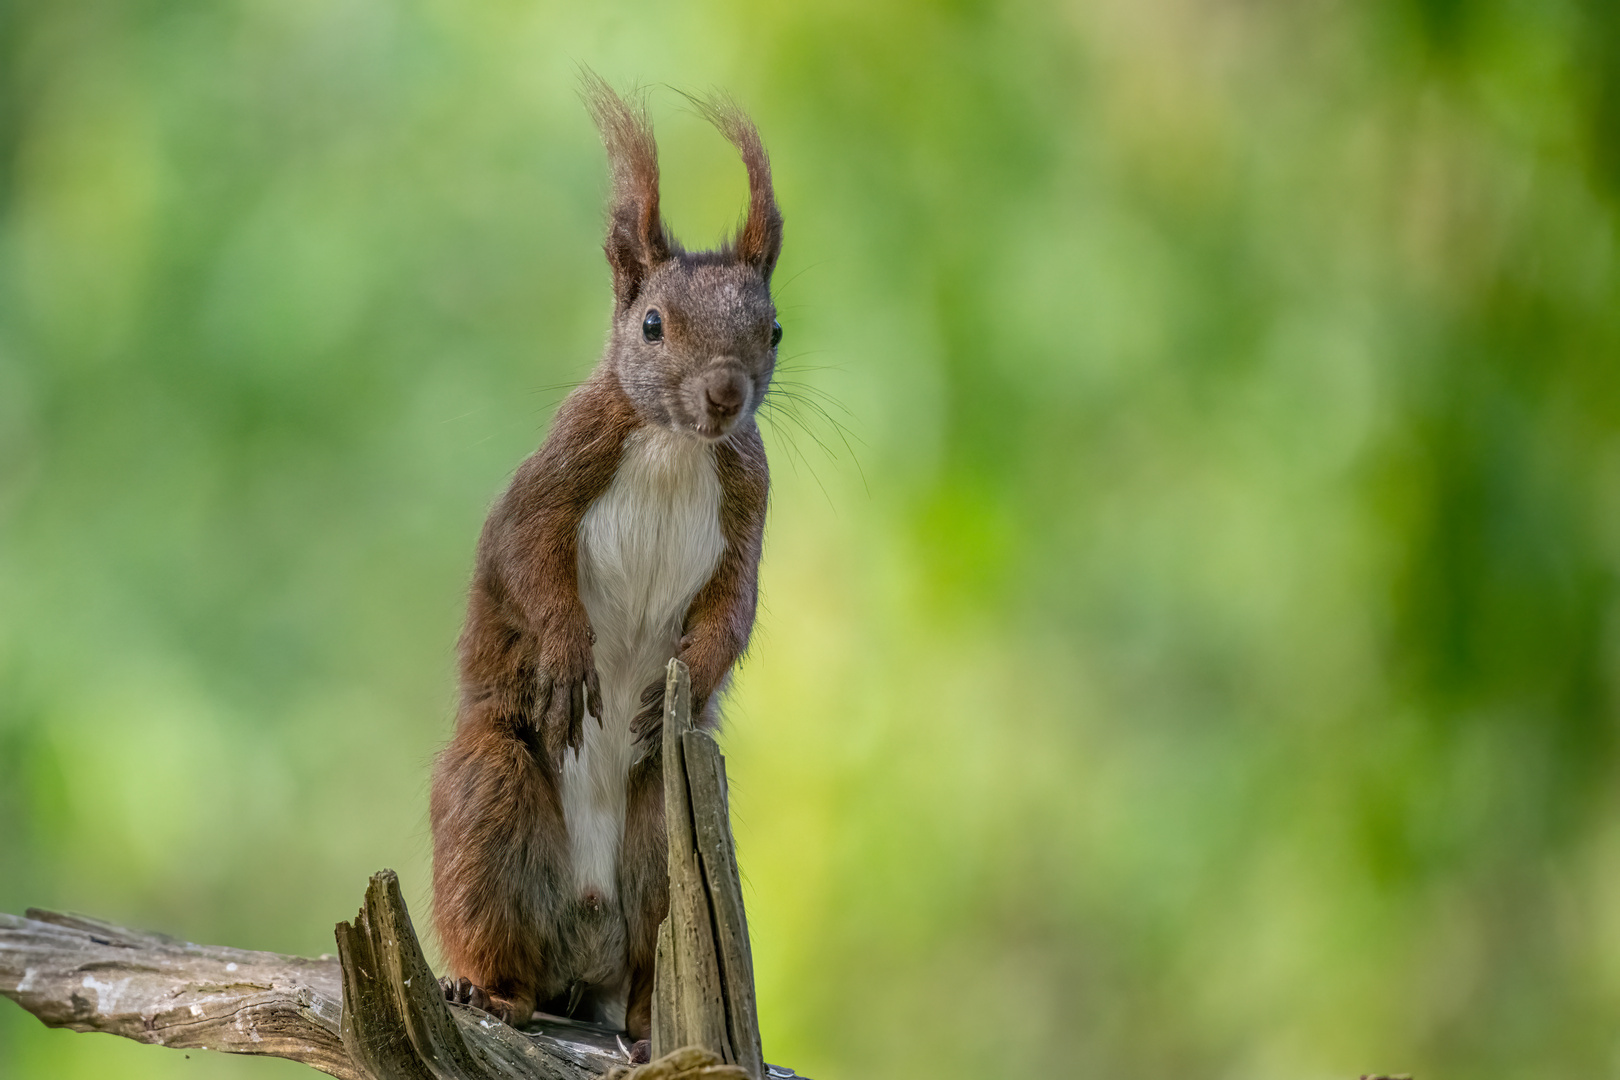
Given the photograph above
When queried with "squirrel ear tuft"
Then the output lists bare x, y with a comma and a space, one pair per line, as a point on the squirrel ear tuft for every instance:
637, 240
759, 241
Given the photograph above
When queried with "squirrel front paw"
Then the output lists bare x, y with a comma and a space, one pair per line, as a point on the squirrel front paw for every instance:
567, 687
648, 722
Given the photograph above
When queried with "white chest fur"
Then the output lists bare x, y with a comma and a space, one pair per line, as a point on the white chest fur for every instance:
645, 548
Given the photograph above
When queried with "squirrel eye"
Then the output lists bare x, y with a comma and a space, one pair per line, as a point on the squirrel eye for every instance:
652, 327
776, 333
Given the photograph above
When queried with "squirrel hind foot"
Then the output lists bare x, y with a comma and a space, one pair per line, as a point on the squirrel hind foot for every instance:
507, 1010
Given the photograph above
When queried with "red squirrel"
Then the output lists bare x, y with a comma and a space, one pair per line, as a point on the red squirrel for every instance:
631, 536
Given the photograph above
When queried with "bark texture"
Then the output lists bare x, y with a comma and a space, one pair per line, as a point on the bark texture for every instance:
89, 975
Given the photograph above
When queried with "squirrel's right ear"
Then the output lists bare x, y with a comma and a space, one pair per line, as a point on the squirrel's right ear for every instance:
637, 240
759, 241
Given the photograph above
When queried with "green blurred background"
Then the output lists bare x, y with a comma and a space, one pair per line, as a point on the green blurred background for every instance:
1189, 644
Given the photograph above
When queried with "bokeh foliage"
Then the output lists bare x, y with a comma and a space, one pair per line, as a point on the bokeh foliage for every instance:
1199, 660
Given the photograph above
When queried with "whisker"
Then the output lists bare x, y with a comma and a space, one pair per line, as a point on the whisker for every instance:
772, 412
795, 395
790, 367
819, 393
825, 449
811, 402
775, 410
780, 289
576, 384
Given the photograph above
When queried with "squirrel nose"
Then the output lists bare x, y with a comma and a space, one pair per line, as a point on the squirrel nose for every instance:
726, 391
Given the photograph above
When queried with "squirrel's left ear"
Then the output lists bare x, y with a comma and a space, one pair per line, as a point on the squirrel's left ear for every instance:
637, 240
759, 241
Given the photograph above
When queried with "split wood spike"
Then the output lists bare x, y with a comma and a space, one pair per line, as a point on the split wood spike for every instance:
703, 987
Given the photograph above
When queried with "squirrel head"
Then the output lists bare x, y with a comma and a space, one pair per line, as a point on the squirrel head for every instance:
694, 334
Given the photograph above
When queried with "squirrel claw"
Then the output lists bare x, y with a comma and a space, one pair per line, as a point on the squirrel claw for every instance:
594, 682
560, 709
465, 992
651, 714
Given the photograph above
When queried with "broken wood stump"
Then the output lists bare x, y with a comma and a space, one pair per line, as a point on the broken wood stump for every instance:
376, 1011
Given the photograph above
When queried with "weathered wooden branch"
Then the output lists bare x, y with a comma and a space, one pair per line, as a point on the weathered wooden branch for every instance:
376, 1012
89, 975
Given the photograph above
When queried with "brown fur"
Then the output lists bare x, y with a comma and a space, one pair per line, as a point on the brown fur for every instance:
515, 935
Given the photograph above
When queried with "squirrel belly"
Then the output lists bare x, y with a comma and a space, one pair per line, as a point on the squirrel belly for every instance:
645, 548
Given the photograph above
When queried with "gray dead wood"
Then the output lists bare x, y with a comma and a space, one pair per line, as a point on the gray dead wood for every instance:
89, 975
